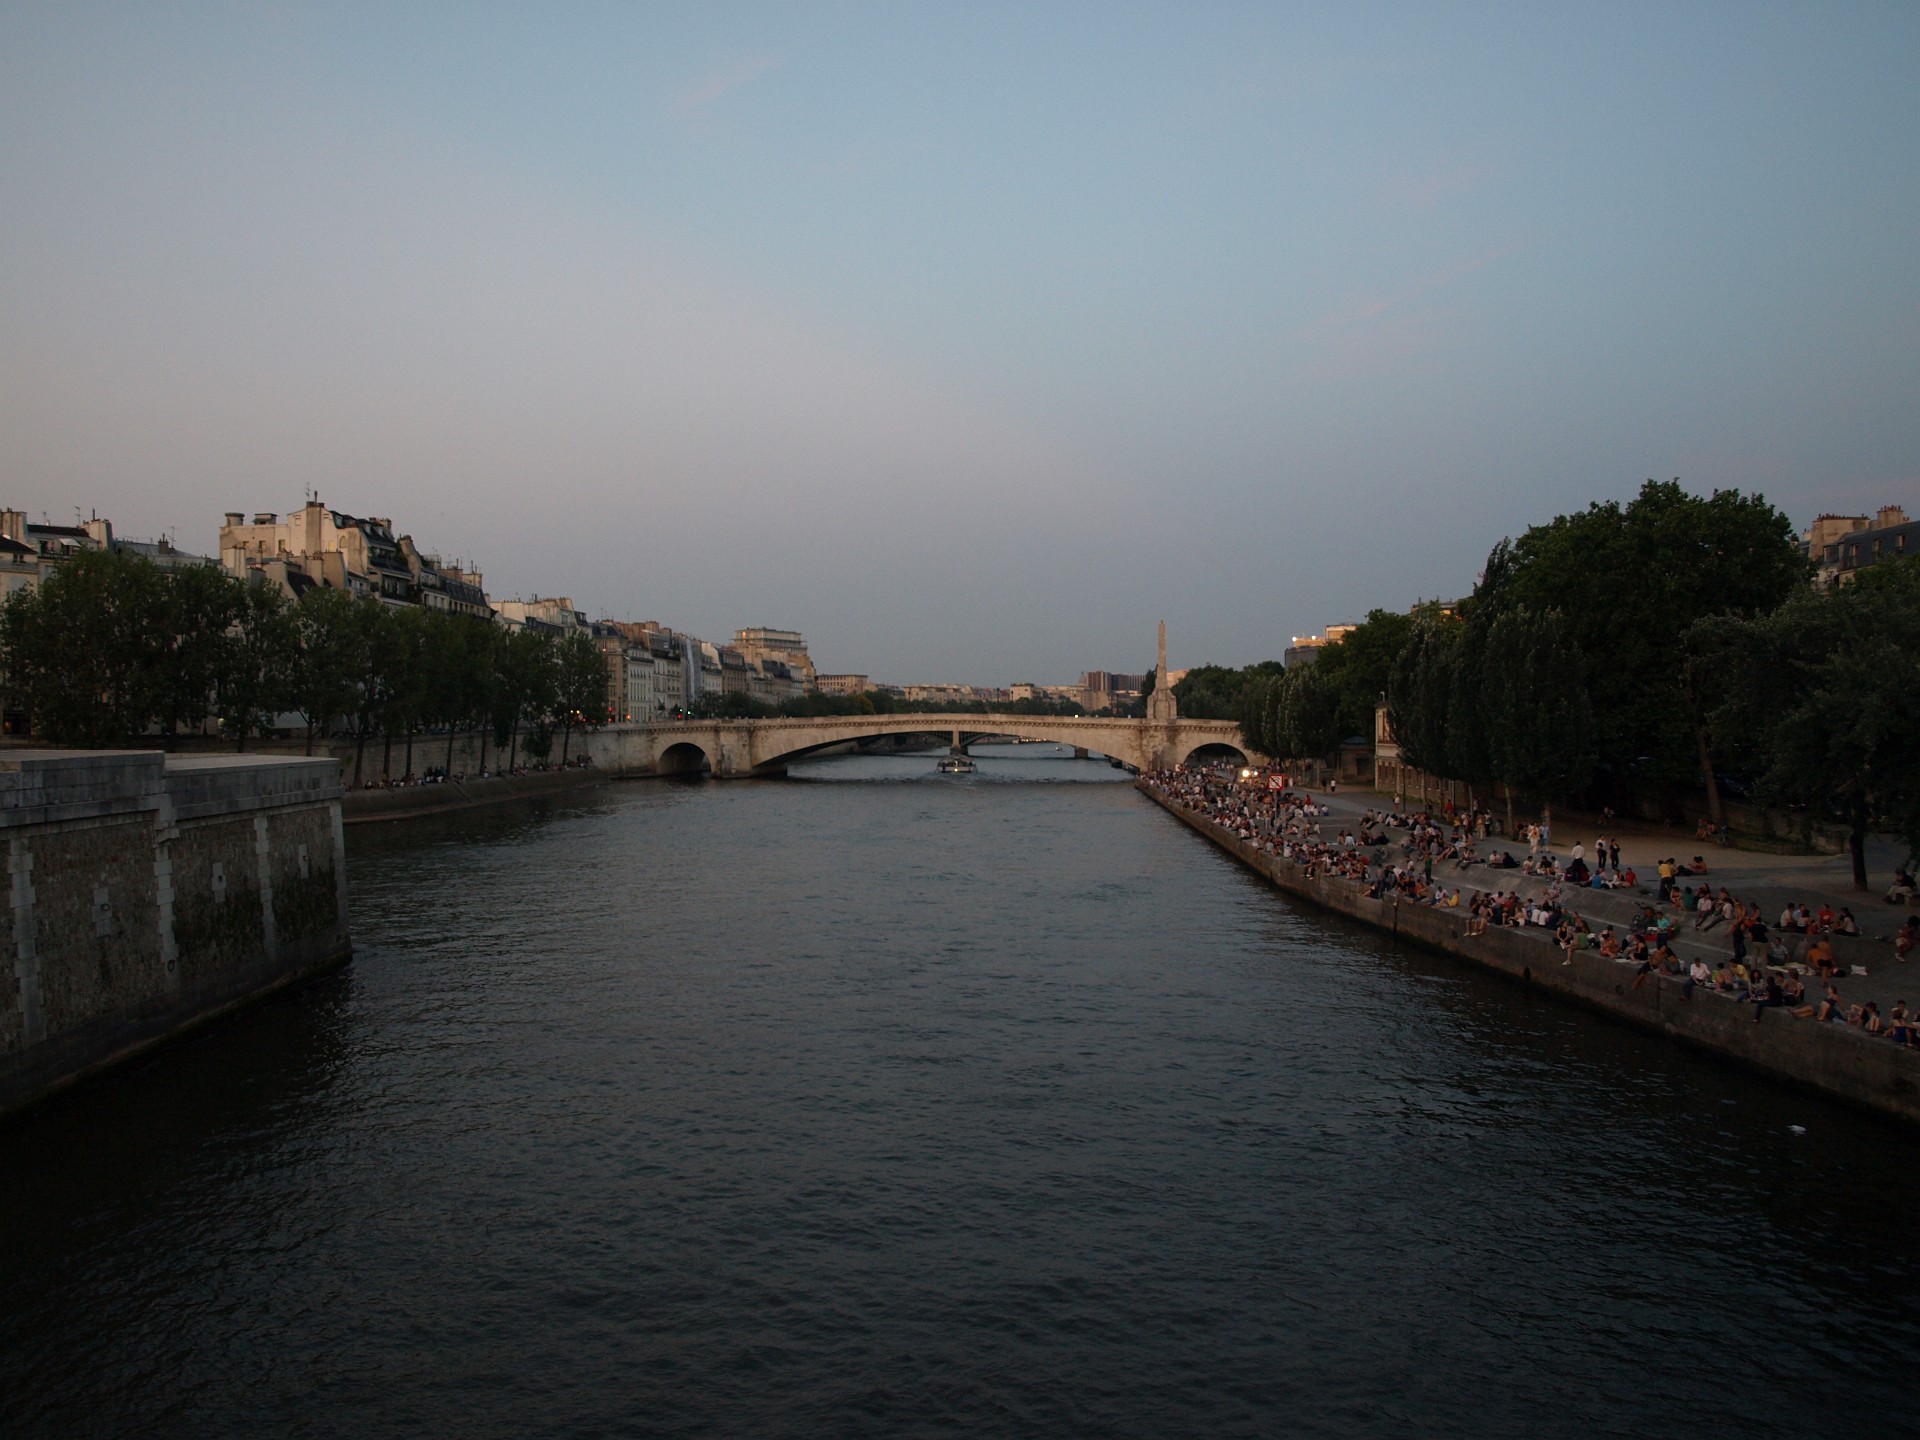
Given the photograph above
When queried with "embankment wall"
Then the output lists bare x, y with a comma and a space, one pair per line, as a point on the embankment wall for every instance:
150, 893
1834, 1058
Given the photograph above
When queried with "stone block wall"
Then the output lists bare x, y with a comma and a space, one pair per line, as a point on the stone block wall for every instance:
148, 894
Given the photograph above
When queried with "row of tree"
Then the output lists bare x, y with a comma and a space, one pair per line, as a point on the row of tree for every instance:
1672, 645
112, 647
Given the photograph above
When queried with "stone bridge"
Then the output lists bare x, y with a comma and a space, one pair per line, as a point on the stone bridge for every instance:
735, 748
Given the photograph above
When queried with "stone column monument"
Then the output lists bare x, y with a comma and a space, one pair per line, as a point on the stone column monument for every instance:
1162, 708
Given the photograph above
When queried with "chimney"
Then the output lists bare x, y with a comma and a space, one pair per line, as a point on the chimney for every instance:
1889, 515
234, 518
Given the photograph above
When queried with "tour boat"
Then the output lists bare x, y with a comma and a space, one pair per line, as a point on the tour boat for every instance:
957, 765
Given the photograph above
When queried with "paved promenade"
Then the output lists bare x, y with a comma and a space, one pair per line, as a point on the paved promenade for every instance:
1771, 881
1836, 1057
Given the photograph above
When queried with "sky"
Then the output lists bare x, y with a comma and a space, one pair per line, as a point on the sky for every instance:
969, 340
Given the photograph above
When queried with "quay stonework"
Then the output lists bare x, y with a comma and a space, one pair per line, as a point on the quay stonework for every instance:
149, 893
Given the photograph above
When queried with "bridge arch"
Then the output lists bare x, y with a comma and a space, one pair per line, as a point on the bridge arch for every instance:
804, 752
1215, 752
683, 757
775, 746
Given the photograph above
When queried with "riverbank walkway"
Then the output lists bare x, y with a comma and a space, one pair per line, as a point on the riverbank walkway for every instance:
1771, 881
1261, 828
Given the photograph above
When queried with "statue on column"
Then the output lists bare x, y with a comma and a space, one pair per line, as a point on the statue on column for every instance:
1162, 708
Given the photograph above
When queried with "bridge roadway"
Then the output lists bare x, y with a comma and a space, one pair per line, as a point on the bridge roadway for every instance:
738, 748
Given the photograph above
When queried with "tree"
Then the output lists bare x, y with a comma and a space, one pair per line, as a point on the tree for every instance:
459, 663
1627, 581
1355, 669
1420, 696
1469, 744
525, 686
330, 664
1216, 692
580, 686
728, 705
1306, 715
79, 651
194, 643
404, 637
1255, 713
258, 662
371, 650
1539, 721
1822, 689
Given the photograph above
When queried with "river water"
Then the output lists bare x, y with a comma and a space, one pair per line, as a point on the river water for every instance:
875, 1102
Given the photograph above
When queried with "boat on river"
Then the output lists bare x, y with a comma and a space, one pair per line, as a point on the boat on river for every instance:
957, 765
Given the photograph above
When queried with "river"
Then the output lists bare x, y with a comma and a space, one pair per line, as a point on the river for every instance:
875, 1102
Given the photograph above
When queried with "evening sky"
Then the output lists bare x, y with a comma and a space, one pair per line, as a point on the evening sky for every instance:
970, 340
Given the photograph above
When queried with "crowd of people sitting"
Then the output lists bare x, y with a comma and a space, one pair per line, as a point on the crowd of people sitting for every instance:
1766, 966
438, 775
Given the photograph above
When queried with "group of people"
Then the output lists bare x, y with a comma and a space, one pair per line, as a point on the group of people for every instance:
1764, 964
438, 774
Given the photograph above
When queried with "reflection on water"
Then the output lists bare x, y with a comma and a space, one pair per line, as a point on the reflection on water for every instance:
881, 1101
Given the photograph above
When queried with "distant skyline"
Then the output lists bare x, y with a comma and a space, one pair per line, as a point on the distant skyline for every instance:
968, 341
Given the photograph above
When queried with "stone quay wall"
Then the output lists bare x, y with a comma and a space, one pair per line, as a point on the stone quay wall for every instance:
149, 893
1834, 1058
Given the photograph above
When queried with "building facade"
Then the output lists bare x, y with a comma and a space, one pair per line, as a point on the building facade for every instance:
318, 545
842, 684
1842, 545
760, 643
30, 551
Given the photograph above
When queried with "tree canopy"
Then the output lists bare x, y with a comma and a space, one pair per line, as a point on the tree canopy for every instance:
111, 647
1217, 692
1821, 690
1627, 581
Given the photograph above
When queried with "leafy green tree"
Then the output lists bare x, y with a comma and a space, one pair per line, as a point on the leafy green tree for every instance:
580, 686
459, 662
1627, 581
194, 644
1356, 669
1216, 692
1255, 715
373, 684
525, 688
1539, 721
258, 663
1306, 715
399, 656
1469, 747
79, 651
729, 705
1438, 702
1420, 696
332, 633
1823, 690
